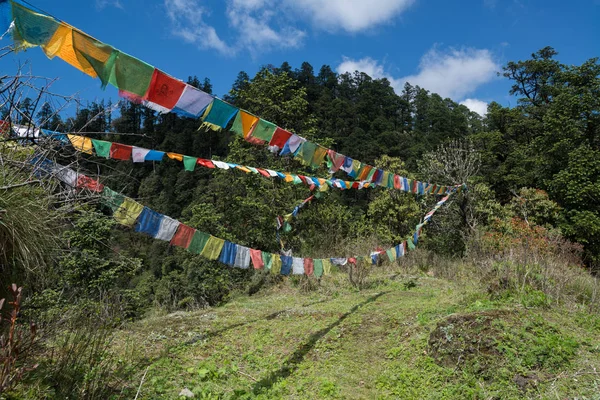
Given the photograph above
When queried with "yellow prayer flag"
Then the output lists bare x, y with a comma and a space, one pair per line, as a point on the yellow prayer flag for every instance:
81, 143
213, 247
326, 266
276, 266
128, 212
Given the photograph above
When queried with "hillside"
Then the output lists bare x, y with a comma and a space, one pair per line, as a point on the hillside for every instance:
312, 233
405, 336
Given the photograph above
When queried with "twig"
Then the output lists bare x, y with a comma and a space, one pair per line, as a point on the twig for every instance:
141, 383
247, 376
19, 185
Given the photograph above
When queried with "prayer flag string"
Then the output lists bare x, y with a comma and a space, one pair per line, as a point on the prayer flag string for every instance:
124, 152
130, 213
144, 84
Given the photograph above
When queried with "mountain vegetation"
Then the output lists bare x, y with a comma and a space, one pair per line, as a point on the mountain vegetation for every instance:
500, 300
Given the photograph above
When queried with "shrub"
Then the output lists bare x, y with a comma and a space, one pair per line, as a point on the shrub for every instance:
15, 342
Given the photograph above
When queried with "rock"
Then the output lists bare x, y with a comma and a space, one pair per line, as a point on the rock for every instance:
187, 393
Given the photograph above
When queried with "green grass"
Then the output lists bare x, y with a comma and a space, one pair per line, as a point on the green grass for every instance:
339, 343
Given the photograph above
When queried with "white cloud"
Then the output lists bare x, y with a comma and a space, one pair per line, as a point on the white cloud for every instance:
350, 15
367, 65
262, 25
100, 4
452, 73
253, 22
187, 18
478, 106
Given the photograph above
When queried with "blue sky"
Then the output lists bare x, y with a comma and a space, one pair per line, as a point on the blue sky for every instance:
453, 48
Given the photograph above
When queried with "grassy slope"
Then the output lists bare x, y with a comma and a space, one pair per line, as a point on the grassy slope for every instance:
342, 343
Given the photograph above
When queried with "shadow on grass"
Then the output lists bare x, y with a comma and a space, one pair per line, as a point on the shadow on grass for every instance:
268, 317
294, 360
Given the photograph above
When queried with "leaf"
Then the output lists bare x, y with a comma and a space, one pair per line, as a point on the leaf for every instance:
203, 372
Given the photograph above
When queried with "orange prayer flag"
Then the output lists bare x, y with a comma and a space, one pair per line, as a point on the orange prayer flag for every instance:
175, 156
61, 46
248, 122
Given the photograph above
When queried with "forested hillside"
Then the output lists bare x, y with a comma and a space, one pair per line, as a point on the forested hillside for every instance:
530, 217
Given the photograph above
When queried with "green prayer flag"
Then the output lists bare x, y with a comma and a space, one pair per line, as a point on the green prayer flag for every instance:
318, 265
102, 148
237, 126
391, 253
267, 260
101, 57
297, 180
264, 130
370, 175
307, 152
411, 245
131, 75
112, 199
190, 163
198, 242
390, 180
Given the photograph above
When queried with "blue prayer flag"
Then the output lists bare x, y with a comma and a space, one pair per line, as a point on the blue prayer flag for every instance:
149, 222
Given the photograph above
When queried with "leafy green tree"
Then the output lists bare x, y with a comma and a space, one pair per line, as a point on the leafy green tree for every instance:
393, 214
91, 269
560, 121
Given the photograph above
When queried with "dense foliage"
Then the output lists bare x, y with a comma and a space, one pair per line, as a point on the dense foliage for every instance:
549, 141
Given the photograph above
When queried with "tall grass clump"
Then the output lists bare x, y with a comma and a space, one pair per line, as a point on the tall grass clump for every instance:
525, 259
28, 234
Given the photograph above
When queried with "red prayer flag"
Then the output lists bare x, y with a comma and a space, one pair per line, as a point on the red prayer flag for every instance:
4, 127
205, 163
257, 261
309, 266
397, 182
164, 90
280, 138
120, 151
134, 98
263, 173
254, 141
337, 160
89, 183
183, 236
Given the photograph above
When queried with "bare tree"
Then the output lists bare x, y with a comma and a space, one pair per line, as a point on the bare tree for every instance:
455, 163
